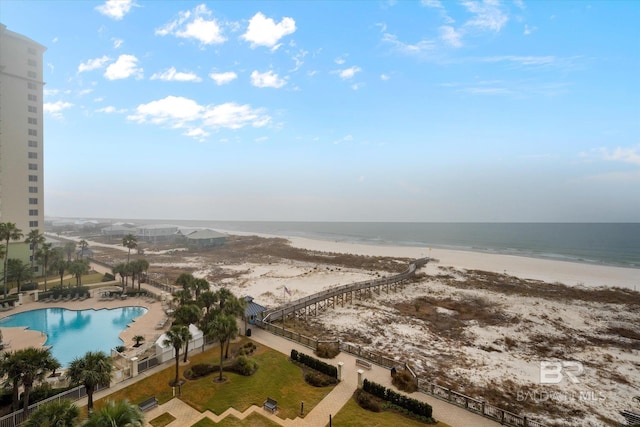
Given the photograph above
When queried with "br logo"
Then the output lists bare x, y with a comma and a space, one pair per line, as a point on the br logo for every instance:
553, 372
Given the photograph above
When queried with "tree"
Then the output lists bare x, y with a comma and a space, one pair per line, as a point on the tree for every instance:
116, 414
34, 238
35, 363
44, 256
19, 271
129, 241
183, 297
11, 368
92, 370
57, 413
175, 337
138, 339
120, 269
232, 306
69, 248
207, 299
8, 231
186, 315
83, 245
199, 285
77, 268
138, 267
222, 327
184, 280
59, 264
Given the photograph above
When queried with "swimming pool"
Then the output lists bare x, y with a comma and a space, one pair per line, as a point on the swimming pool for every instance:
71, 333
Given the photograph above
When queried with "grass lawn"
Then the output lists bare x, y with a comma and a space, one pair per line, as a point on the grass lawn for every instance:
253, 420
276, 377
353, 415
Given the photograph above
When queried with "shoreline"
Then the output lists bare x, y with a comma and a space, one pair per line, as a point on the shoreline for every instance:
547, 270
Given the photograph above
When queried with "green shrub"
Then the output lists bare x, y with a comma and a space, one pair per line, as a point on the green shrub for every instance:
244, 366
327, 350
294, 355
366, 401
318, 379
29, 286
314, 363
404, 381
108, 277
198, 371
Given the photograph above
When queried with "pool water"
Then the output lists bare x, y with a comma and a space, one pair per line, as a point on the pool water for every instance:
72, 333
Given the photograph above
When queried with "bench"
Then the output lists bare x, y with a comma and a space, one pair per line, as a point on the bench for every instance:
270, 404
363, 363
145, 405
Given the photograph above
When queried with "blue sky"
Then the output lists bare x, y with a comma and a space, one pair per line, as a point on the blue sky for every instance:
355, 111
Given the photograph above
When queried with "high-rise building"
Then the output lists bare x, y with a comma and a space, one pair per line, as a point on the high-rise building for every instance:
21, 135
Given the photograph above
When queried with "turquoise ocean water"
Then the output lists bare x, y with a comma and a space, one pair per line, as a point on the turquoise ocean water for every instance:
616, 244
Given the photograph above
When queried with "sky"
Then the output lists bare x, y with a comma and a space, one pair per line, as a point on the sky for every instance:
339, 110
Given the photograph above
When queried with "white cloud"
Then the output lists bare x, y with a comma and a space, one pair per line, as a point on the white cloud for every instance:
194, 25
487, 15
124, 67
111, 110
384, 77
340, 60
528, 30
93, 64
117, 43
629, 155
263, 31
223, 78
267, 79
115, 9
55, 108
348, 73
172, 75
418, 49
451, 36
183, 113
523, 60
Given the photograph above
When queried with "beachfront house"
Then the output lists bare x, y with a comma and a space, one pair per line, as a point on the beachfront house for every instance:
156, 233
206, 238
118, 230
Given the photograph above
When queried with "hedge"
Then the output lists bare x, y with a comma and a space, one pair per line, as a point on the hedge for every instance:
314, 363
414, 406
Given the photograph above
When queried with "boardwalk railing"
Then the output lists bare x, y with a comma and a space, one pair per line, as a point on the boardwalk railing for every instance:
478, 406
299, 304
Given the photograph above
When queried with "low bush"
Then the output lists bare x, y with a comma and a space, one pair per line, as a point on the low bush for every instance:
244, 366
108, 277
247, 349
405, 381
327, 350
198, 371
318, 379
367, 401
29, 286
314, 363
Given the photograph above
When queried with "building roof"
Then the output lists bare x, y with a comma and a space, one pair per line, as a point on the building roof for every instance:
119, 227
205, 234
253, 309
156, 227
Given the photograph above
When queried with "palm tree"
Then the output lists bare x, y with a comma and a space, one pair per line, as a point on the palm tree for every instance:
182, 297
35, 363
58, 413
44, 255
69, 248
144, 265
78, 268
34, 238
116, 414
120, 269
138, 339
92, 370
8, 231
19, 271
175, 337
222, 327
59, 264
83, 245
11, 368
200, 285
185, 280
129, 241
207, 299
187, 315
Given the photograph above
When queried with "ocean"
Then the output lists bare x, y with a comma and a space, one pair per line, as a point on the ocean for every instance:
615, 244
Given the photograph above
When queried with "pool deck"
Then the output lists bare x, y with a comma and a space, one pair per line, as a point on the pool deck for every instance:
145, 325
